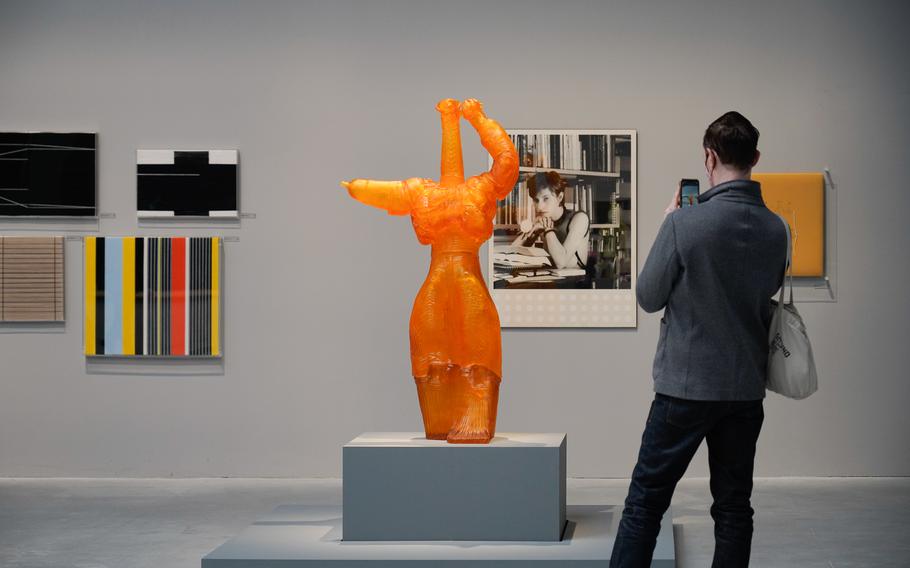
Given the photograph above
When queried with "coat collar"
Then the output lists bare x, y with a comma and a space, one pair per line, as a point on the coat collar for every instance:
743, 190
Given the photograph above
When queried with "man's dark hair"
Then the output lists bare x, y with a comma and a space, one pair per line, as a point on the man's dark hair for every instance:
734, 139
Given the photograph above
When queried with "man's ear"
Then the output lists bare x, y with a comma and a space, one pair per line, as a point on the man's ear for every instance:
710, 159
755, 161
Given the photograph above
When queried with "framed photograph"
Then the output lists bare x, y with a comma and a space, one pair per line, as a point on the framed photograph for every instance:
563, 252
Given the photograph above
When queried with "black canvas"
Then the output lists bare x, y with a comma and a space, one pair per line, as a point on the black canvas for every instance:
47, 174
187, 183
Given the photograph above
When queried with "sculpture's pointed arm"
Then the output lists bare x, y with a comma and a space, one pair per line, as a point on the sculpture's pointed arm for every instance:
504, 172
393, 196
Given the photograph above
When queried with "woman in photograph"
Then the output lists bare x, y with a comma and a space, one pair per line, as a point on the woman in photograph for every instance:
564, 233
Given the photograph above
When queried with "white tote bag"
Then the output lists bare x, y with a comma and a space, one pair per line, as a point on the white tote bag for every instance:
791, 366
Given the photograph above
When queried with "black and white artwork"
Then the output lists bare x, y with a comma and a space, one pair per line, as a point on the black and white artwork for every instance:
47, 174
563, 248
176, 183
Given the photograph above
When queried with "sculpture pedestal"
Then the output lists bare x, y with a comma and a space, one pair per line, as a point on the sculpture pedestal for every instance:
300, 536
401, 486
405, 487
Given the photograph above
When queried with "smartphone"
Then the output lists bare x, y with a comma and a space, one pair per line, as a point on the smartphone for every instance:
688, 193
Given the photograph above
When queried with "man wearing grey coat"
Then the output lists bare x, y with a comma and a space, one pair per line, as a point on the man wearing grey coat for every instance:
713, 270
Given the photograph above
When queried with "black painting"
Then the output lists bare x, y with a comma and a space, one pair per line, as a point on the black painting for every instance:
185, 183
47, 174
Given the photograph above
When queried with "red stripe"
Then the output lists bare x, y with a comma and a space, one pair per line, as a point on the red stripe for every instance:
178, 295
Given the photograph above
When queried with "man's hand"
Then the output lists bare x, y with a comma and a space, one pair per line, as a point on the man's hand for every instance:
674, 203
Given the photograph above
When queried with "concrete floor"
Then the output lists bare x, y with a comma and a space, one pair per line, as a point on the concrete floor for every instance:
164, 523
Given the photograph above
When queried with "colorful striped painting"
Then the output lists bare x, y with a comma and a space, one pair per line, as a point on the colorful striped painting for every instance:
153, 296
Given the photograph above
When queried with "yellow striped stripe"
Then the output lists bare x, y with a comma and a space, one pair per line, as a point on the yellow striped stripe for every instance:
216, 347
129, 295
89, 269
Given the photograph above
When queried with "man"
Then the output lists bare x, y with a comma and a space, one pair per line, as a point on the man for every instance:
713, 269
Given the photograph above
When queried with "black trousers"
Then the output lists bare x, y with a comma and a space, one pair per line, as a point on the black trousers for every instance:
674, 431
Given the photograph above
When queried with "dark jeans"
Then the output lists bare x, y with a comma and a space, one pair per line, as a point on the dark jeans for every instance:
674, 430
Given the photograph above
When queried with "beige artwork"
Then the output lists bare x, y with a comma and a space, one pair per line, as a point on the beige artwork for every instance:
31, 279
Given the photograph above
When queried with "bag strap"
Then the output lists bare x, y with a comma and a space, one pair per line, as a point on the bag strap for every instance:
788, 268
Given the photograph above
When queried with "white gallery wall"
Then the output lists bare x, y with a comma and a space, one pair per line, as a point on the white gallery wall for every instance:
318, 288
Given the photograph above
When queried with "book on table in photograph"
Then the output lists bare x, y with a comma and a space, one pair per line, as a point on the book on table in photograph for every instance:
47, 174
563, 252
153, 296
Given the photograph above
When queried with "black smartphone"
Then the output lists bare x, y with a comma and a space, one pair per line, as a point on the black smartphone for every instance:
688, 192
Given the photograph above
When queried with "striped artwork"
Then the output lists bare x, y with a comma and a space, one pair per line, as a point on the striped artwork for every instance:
31, 279
153, 296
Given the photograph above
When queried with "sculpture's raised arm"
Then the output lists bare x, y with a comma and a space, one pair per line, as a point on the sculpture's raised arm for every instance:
504, 172
393, 196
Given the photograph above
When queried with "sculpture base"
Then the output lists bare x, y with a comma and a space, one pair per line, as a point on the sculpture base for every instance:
300, 536
401, 486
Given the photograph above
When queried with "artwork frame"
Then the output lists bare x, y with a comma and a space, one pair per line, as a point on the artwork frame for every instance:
32, 279
187, 184
153, 297
808, 201
595, 295
48, 175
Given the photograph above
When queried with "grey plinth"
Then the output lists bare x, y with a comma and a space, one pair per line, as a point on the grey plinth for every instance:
301, 536
403, 487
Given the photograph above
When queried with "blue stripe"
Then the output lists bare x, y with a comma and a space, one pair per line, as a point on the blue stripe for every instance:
113, 296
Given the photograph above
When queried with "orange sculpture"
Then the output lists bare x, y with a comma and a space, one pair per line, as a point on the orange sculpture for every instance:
456, 348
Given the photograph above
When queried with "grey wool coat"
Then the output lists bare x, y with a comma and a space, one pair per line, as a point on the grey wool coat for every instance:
713, 270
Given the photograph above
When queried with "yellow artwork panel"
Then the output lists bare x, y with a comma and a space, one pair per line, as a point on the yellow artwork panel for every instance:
800, 199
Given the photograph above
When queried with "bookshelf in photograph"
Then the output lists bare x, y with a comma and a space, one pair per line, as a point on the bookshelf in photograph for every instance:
595, 190
595, 166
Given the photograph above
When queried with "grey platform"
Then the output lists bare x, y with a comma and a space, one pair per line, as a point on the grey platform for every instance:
400, 486
299, 536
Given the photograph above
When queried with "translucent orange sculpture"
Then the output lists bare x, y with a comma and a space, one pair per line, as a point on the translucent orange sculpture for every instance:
456, 349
